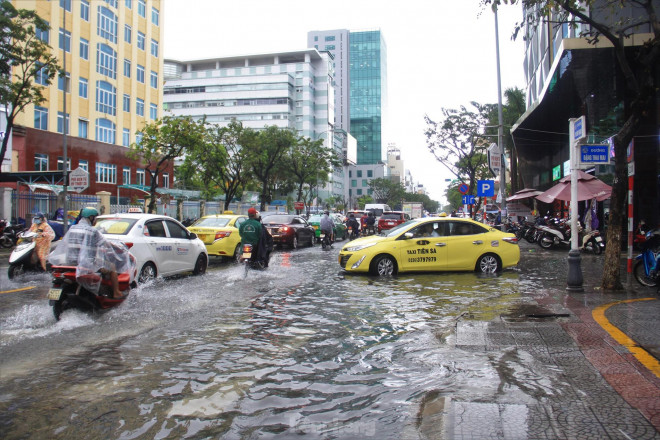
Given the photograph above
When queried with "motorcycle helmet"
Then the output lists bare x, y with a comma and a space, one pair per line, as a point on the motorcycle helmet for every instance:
38, 218
326, 212
89, 212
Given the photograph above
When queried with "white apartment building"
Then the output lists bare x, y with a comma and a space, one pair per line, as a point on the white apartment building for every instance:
287, 89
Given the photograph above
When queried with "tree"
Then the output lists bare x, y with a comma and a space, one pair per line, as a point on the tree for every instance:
458, 142
309, 163
512, 109
363, 200
386, 191
271, 145
23, 59
220, 164
613, 20
163, 141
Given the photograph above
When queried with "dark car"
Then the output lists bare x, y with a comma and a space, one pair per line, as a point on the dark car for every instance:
391, 219
291, 230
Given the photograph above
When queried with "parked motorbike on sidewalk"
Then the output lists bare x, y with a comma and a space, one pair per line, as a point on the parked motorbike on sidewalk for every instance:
647, 263
68, 291
10, 235
557, 232
24, 256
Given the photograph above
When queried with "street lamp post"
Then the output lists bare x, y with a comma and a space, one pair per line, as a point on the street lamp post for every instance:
500, 126
65, 126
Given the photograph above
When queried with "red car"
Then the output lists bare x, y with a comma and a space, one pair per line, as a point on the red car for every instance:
391, 219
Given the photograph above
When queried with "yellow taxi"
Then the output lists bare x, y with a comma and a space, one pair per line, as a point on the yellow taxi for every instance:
219, 232
432, 244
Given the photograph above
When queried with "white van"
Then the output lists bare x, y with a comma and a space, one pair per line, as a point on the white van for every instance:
377, 208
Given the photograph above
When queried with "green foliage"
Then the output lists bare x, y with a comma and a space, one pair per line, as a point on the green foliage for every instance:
363, 200
22, 56
164, 140
309, 163
386, 191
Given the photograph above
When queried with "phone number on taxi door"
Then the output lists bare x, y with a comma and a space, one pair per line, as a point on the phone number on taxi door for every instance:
421, 260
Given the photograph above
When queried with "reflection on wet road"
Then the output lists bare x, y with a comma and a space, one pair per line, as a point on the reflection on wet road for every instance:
298, 349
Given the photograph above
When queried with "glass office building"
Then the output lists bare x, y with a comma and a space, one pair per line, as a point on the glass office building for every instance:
368, 82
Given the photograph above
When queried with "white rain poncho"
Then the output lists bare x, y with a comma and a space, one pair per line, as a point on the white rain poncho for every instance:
85, 247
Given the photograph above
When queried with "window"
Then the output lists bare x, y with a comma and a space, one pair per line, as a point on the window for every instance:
142, 8
140, 40
43, 35
354, 183
154, 16
64, 82
365, 183
65, 40
83, 165
105, 131
66, 4
40, 118
176, 230
126, 138
370, 173
139, 176
359, 173
154, 79
84, 49
41, 77
40, 162
359, 192
129, 4
166, 180
138, 138
84, 10
127, 68
106, 60
140, 74
106, 98
154, 48
60, 122
112, 3
139, 107
127, 103
82, 128
60, 163
107, 24
128, 33
126, 176
330, 47
106, 173
153, 111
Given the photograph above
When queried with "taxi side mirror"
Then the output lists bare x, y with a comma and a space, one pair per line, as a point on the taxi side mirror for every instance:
192, 236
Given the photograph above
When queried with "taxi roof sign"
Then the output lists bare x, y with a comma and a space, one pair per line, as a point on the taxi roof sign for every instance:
134, 210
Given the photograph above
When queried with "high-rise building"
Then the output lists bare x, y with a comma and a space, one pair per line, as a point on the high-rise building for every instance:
360, 61
288, 90
110, 89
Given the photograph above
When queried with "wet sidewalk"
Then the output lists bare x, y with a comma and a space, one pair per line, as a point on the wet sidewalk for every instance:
590, 360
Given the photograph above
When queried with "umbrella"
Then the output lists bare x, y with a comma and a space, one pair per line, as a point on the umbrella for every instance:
589, 187
524, 194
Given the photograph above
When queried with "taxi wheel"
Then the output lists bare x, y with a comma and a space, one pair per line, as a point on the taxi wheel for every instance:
237, 253
147, 273
200, 265
488, 263
383, 266
294, 242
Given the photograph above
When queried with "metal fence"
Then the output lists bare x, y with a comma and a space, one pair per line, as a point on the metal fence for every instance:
26, 204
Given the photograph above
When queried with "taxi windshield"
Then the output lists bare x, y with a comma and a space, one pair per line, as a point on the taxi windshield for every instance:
212, 222
114, 225
397, 229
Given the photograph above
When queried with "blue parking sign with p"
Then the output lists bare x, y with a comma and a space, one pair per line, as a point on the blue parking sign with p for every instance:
486, 188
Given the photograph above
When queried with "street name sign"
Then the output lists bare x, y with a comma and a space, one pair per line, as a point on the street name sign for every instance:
468, 200
594, 154
78, 180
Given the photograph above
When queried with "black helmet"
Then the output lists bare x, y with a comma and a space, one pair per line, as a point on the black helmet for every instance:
351, 215
371, 213
326, 212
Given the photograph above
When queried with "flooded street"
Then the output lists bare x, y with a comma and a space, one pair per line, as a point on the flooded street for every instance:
298, 349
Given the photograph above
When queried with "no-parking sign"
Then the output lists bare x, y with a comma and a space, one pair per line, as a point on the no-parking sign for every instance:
463, 188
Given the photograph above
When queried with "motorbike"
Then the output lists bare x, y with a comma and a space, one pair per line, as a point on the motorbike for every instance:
10, 235
326, 242
248, 258
558, 233
647, 263
67, 292
352, 233
24, 257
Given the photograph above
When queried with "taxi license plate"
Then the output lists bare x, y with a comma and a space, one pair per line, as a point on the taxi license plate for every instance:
598, 239
54, 294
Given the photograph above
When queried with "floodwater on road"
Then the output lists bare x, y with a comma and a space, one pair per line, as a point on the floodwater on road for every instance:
298, 349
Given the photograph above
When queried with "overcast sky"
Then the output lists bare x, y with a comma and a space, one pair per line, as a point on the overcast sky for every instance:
440, 53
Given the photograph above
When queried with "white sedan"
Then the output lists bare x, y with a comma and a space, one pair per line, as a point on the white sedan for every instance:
161, 245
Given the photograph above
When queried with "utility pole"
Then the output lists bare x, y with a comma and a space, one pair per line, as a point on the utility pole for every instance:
65, 126
500, 127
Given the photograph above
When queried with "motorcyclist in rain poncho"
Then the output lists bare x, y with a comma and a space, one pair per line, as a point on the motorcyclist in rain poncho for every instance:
85, 247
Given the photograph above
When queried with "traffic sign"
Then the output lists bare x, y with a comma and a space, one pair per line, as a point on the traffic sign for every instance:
486, 188
79, 180
468, 200
298, 205
463, 188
